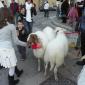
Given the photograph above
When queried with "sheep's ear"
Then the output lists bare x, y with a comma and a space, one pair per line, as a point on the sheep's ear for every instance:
56, 31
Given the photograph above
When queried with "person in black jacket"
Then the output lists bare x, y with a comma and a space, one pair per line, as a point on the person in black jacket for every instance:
64, 10
22, 35
82, 36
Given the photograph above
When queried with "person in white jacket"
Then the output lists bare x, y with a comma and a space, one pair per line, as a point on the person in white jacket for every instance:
28, 6
46, 9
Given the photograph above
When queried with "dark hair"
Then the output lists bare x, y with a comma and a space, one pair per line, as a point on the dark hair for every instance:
5, 17
21, 21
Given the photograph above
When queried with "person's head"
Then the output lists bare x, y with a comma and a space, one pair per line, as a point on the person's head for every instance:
12, 1
66, 0
29, 1
22, 10
20, 25
4, 18
72, 4
46, 2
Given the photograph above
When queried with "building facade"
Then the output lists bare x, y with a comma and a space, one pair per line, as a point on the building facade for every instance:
37, 2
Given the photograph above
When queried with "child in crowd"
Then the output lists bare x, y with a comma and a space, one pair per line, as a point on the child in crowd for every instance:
22, 35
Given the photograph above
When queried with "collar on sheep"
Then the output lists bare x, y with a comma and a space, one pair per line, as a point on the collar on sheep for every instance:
36, 46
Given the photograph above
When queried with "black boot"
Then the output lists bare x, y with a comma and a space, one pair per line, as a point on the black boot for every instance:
18, 72
81, 62
12, 81
1, 67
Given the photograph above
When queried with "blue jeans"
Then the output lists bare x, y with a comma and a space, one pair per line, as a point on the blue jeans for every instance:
28, 26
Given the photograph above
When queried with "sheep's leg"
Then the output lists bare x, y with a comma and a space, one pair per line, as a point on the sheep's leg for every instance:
38, 64
46, 66
52, 66
55, 73
64, 63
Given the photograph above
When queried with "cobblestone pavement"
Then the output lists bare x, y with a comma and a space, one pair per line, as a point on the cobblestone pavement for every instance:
31, 76
62, 81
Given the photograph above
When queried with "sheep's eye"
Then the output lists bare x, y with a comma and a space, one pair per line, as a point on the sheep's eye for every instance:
57, 30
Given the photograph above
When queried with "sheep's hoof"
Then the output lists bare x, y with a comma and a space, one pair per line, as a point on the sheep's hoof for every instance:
38, 70
51, 69
45, 74
64, 64
56, 78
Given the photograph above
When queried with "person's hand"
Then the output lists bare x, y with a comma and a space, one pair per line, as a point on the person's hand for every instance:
23, 32
28, 45
33, 5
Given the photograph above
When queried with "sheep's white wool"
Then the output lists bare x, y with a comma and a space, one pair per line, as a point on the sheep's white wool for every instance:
57, 49
45, 37
81, 78
83, 57
39, 53
49, 32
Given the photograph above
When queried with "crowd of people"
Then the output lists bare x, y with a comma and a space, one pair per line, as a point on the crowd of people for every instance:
74, 14
16, 24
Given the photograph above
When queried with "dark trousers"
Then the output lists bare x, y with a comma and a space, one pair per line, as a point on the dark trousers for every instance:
83, 42
64, 19
22, 51
28, 26
46, 13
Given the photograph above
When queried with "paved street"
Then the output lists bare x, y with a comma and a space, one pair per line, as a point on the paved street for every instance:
67, 74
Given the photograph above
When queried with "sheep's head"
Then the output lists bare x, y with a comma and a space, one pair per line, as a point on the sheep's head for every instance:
59, 29
32, 39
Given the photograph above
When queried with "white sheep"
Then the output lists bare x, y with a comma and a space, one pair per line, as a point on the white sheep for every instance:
55, 52
81, 77
49, 33
43, 38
